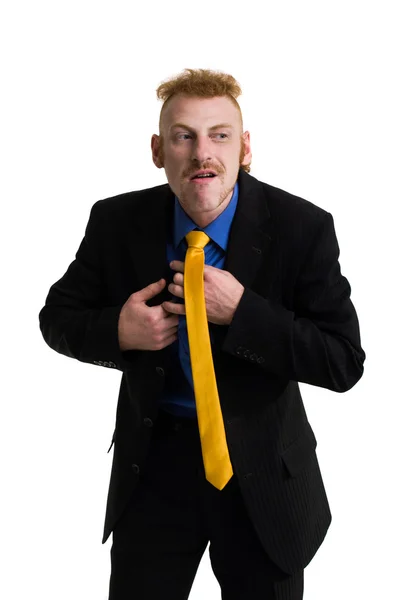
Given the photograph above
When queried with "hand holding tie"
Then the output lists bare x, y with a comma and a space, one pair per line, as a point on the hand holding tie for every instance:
222, 293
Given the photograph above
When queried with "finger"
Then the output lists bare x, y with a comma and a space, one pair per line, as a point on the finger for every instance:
173, 307
177, 290
171, 318
149, 291
177, 265
172, 321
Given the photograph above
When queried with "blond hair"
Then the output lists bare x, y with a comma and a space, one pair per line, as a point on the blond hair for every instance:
201, 83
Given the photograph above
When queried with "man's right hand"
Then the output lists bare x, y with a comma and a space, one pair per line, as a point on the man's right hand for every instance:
143, 327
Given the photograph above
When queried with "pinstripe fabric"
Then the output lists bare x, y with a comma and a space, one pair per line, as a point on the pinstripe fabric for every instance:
291, 589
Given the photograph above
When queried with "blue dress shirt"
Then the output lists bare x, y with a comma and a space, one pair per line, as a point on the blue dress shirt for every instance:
178, 397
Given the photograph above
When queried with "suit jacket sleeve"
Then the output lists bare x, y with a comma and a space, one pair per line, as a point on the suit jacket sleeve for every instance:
75, 321
316, 343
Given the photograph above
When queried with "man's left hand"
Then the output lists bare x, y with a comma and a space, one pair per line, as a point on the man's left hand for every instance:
222, 293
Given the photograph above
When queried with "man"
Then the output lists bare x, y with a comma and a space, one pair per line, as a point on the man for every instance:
278, 312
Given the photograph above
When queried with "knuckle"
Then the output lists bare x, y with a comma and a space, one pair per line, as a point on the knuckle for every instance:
157, 337
152, 319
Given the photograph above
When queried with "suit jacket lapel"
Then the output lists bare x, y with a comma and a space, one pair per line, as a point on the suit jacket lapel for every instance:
148, 241
250, 234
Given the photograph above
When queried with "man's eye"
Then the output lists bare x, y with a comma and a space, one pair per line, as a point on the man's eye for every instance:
182, 135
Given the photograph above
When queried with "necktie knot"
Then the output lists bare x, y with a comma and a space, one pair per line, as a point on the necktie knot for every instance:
197, 239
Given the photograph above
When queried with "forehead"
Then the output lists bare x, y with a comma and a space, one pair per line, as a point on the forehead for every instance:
199, 112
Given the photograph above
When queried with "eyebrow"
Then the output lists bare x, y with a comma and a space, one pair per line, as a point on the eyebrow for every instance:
219, 126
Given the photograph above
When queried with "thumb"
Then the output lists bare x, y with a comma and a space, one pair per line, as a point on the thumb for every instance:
149, 291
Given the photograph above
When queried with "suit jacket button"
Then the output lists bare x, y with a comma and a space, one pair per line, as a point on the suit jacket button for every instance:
135, 468
148, 422
260, 359
160, 371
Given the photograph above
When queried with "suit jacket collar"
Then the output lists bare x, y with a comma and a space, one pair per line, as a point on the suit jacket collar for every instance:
249, 240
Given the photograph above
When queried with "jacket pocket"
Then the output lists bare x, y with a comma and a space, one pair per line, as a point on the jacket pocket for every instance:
300, 452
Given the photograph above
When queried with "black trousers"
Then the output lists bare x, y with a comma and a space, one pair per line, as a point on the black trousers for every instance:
161, 537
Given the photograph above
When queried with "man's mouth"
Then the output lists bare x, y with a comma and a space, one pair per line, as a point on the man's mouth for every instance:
200, 175
202, 180
204, 177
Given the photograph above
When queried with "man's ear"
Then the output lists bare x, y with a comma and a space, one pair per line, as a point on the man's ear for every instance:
246, 153
157, 154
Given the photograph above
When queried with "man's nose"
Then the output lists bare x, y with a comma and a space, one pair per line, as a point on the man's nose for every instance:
201, 149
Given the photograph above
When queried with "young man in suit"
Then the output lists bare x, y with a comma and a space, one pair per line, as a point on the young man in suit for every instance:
278, 311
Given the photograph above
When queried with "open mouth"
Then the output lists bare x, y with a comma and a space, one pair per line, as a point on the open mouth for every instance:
203, 178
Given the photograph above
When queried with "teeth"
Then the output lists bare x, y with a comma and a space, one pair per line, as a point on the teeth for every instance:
204, 175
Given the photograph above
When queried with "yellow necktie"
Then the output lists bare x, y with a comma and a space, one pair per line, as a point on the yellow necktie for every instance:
218, 468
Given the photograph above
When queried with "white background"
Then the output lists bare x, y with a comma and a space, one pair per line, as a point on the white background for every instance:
78, 110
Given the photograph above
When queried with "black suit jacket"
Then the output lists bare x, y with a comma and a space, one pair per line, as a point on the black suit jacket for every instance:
295, 323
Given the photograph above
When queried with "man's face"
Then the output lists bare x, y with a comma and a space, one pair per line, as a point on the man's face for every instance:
201, 134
